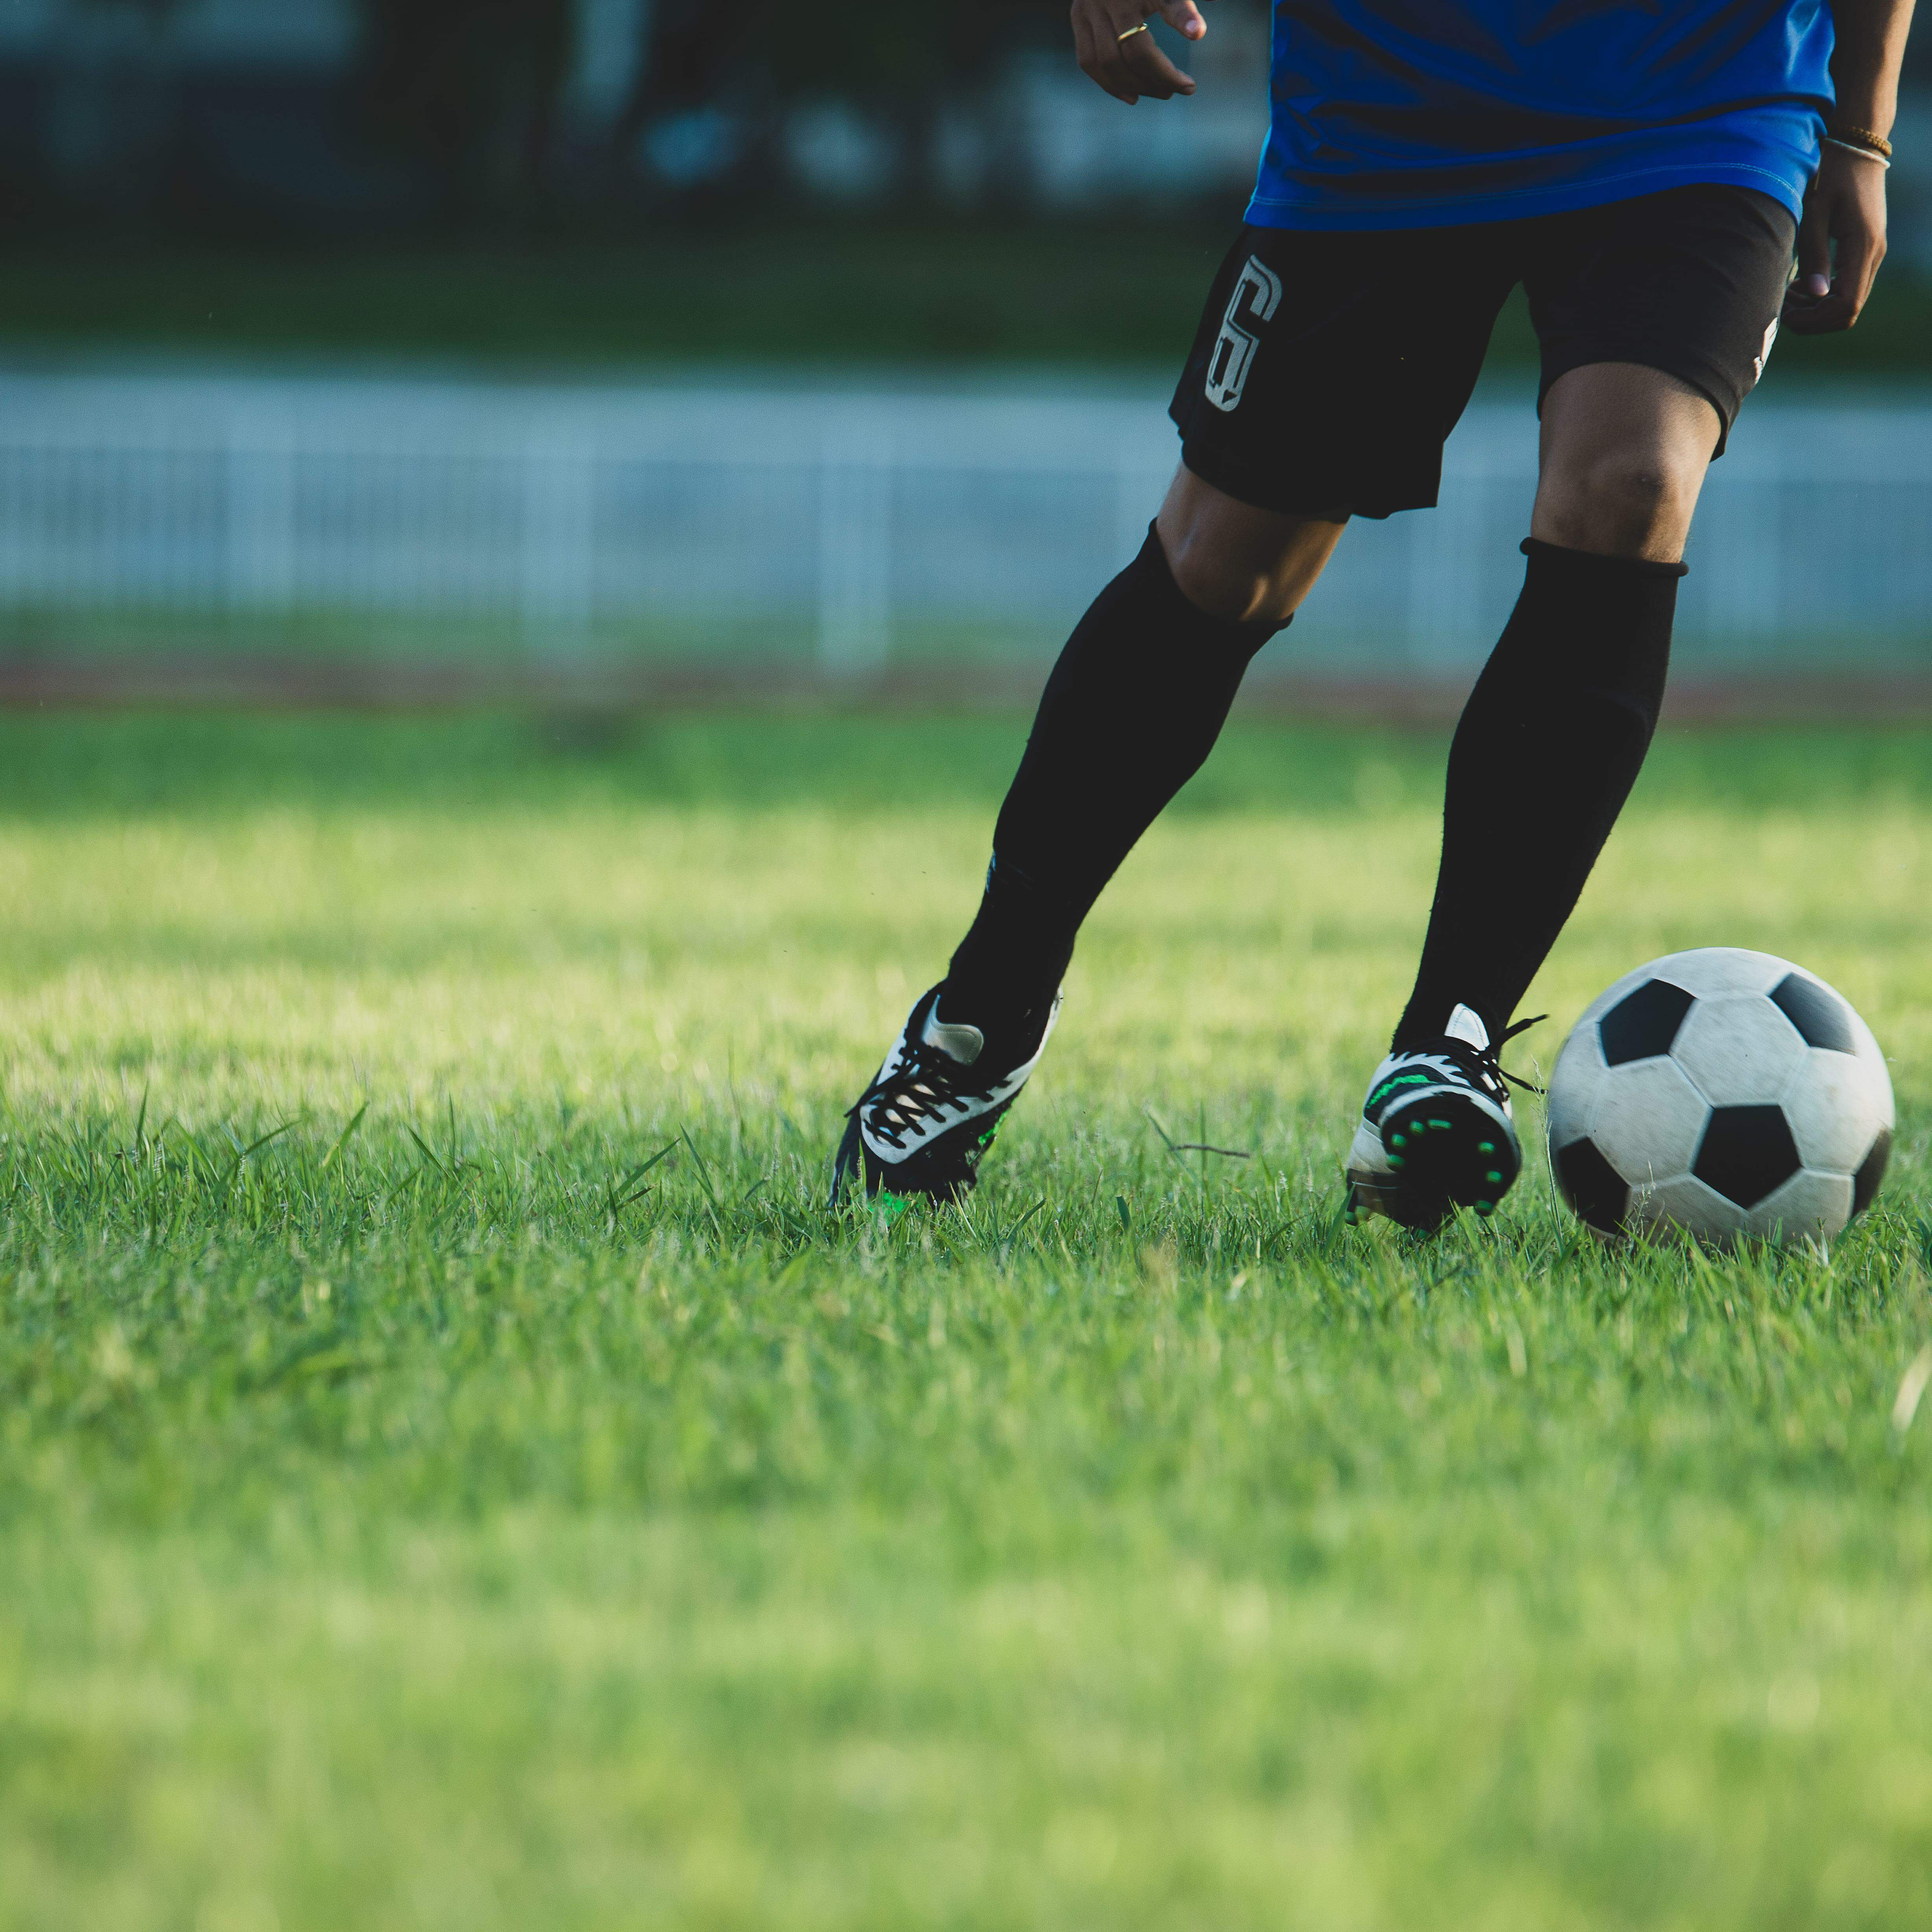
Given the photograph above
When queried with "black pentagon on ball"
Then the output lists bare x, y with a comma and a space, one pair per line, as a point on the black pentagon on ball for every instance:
1642, 1024
1592, 1186
1817, 1012
1746, 1152
1871, 1172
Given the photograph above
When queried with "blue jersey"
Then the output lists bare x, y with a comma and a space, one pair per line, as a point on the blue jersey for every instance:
1421, 113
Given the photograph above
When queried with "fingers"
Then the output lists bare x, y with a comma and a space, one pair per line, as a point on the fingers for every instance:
1809, 307
1816, 315
1184, 17
1859, 253
1084, 51
1098, 48
1154, 72
1840, 244
1127, 68
1814, 248
1812, 285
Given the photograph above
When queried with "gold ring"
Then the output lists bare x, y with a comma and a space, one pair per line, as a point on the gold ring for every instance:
1131, 32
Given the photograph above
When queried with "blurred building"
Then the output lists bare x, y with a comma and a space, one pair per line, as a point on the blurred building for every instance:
300, 115
263, 108
1035, 130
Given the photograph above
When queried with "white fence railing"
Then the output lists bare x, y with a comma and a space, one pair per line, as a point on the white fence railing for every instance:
861, 527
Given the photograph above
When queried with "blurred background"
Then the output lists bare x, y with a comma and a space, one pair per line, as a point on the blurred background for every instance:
618, 350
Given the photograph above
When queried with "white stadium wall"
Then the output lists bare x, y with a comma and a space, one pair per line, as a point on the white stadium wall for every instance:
850, 534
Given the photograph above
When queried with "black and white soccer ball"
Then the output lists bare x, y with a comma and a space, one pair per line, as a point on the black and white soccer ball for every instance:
1726, 1093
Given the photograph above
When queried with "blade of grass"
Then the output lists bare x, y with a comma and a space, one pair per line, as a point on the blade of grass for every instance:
343, 1139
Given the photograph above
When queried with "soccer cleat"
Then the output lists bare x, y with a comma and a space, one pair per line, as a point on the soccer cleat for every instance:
1436, 1133
921, 1127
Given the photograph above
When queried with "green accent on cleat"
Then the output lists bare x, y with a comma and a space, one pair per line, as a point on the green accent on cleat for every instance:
1486, 1207
1396, 1160
1443, 1125
1485, 1147
1494, 1177
1398, 1140
1400, 1080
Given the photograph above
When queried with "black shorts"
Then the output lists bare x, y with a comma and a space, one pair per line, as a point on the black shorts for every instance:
1330, 368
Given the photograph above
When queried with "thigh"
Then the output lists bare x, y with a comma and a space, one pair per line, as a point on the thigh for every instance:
1689, 282
1329, 368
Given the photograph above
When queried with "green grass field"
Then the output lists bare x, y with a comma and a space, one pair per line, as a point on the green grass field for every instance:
418, 1510
795, 293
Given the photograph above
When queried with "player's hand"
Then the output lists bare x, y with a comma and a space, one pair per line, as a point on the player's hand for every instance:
1129, 68
1844, 217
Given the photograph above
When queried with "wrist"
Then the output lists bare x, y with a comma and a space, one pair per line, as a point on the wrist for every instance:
1869, 111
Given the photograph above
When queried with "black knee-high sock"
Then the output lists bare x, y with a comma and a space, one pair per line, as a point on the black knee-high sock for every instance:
1129, 714
1549, 744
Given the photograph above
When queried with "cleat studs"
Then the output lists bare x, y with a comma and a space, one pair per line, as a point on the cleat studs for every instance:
1398, 1140
1442, 1127
1494, 1177
1485, 1147
1396, 1160
1485, 1208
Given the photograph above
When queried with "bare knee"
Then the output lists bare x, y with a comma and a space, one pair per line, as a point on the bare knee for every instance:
1624, 450
1619, 503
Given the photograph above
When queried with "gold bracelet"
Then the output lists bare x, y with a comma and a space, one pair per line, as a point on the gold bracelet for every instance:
1860, 137
1131, 32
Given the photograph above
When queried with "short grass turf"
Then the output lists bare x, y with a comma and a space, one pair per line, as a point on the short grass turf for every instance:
454, 1472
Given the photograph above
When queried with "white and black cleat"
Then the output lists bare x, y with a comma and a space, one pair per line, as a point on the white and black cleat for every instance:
1436, 1132
921, 1127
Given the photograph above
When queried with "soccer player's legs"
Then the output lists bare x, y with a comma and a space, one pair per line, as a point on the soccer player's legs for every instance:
1131, 710
1296, 412
1130, 713
1655, 316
